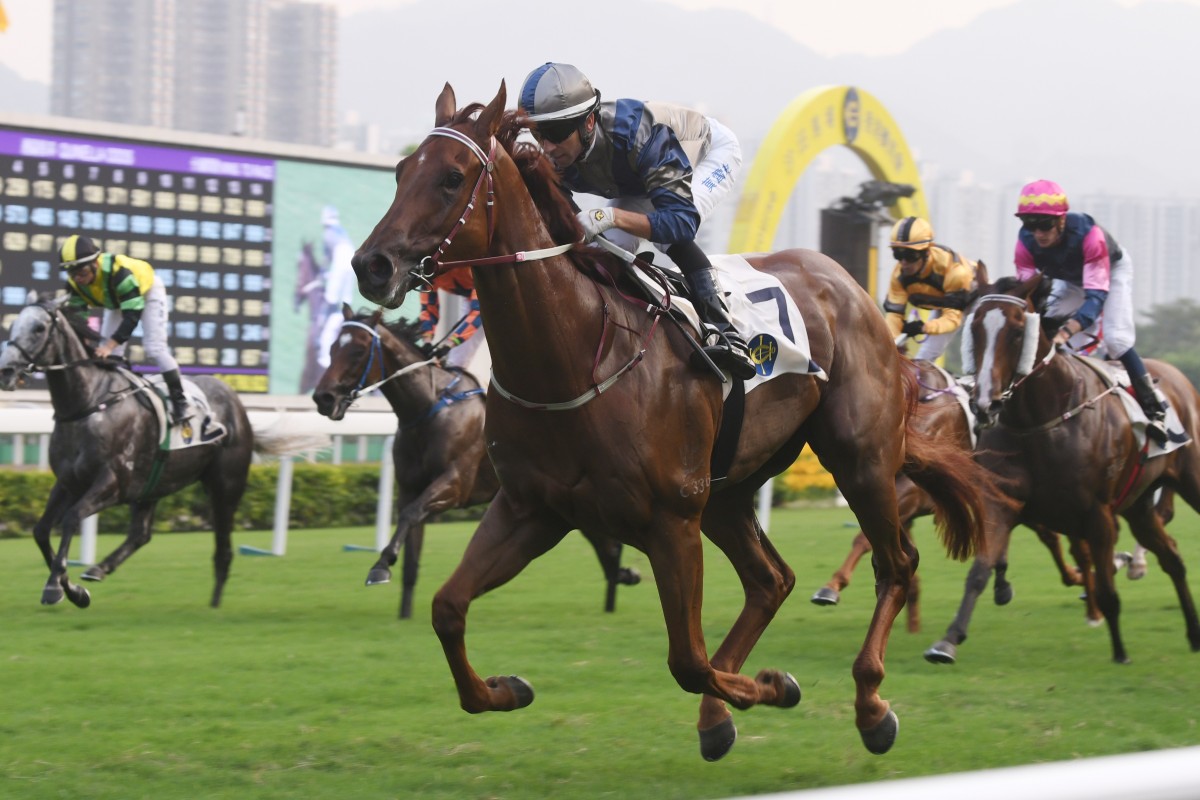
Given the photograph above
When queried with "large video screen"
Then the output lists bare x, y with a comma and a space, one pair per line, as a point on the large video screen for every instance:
240, 241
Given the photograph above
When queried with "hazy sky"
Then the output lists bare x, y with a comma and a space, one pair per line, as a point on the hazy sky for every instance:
837, 27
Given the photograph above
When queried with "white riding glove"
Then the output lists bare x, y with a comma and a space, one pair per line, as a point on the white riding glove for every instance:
596, 221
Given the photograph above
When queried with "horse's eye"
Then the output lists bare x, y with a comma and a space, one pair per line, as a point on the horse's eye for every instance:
453, 180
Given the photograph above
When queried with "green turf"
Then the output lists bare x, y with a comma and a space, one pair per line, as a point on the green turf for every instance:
305, 685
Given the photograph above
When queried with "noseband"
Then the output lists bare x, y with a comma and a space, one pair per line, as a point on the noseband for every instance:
1029, 344
33, 366
373, 352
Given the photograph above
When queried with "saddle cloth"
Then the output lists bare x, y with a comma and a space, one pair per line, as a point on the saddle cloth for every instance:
762, 312
202, 427
1113, 374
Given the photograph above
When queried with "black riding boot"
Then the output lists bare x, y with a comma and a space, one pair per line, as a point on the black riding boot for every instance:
1152, 401
729, 351
180, 410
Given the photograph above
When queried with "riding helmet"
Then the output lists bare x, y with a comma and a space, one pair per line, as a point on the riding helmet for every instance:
912, 233
555, 92
1042, 197
77, 251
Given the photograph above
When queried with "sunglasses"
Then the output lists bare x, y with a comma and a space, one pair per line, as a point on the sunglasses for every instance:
555, 132
1042, 224
906, 254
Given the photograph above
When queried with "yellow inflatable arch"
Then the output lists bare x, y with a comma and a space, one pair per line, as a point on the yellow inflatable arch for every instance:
816, 120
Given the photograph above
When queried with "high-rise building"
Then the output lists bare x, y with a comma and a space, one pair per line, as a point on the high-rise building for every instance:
258, 68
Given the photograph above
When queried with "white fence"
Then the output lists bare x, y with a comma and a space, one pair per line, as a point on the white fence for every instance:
371, 417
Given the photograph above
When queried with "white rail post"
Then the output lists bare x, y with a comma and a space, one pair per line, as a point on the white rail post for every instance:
383, 507
87, 540
764, 505
283, 505
18, 458
43, 451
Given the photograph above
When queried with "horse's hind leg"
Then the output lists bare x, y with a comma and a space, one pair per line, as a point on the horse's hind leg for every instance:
1148, 530
729, 521
225, 482
141, 517
503, 545
412, 565
830, 593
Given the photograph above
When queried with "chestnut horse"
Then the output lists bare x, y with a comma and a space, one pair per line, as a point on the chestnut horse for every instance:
596, 421
1064, 449
440, 459
942, 414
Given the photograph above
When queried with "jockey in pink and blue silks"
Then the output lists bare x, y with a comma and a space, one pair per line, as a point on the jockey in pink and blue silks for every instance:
1070, 247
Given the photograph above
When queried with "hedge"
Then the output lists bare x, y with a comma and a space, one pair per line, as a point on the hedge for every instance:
323, 496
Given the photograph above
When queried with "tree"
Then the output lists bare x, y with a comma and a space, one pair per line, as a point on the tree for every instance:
1172, 334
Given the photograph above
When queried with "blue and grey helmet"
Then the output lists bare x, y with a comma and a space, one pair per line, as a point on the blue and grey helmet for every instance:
557, 98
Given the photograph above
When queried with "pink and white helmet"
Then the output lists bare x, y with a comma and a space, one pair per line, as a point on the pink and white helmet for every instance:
1042, 197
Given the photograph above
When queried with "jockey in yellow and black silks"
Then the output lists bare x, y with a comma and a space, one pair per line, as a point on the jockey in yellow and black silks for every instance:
129, 292
928, 276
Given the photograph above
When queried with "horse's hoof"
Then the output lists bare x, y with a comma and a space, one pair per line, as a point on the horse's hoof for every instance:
81, 599
628, 576
1004, 596
1137, 571
52, 595
520, 688
1095, 623
881, 738
1122, 659
787, 694
93, 574
378, 576
942, 653
718, 740
826, 597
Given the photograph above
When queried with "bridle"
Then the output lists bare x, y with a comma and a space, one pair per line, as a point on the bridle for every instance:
432, 266
32, 359
1029, 344
375, 352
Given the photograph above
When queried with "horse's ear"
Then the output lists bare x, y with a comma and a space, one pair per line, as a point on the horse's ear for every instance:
445, 107
1028, 287
489, 119
347, 312
61, 300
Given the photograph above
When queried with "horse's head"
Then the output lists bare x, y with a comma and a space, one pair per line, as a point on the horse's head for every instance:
447, 177
35, 341
353, 359
1000, 344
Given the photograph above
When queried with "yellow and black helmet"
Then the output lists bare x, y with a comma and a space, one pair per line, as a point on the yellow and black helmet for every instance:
77, 252
913, 233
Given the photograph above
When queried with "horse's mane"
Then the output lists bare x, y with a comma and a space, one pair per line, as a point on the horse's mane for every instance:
545, 187
77, 318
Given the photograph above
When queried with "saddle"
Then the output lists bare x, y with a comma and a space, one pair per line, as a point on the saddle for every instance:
1114, 376
203, 427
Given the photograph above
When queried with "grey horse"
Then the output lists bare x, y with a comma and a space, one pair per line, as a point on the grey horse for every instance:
106, 446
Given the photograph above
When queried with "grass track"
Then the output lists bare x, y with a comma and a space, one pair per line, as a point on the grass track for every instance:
305, 685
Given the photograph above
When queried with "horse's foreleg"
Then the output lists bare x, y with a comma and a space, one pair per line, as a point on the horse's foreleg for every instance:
412, 565
1087, 579
999, 527
1148, 529
729, 521
441, 494
1100, 527
56, 507
503, 544
99, 496
1071, 576
140, 519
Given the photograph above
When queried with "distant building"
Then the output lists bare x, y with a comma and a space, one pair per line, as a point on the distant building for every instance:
264, 69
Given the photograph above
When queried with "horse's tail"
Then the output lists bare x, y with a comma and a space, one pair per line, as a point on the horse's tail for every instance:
275, 441
960, 488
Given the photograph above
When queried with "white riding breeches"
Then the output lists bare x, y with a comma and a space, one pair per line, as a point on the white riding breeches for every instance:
1115, 324
153, 327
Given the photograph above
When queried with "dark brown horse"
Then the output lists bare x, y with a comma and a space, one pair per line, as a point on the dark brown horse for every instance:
441, 462
942, 414
596, 421
1063, 446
